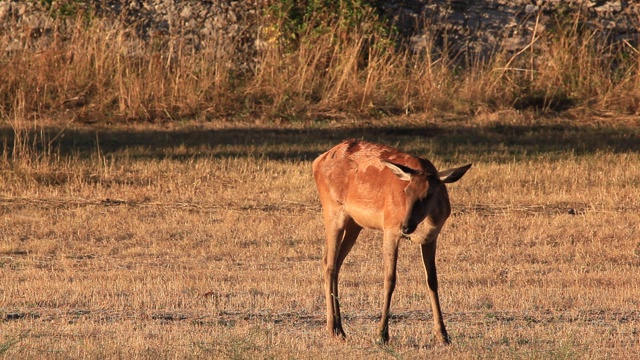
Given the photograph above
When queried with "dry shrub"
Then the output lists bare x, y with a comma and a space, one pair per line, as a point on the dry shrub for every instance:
574, 65
333, 64
101, 69
342, 60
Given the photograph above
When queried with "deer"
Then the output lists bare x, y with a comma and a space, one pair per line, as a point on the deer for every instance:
367, 185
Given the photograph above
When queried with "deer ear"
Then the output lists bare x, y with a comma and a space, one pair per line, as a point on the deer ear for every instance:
401, 171
453, 175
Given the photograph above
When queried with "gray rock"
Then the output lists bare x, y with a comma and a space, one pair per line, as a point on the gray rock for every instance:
5, 7
530, 9
186, 12
477, 27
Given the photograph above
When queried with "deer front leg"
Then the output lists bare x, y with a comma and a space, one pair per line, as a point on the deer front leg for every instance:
390, 254
429, 260
335, 254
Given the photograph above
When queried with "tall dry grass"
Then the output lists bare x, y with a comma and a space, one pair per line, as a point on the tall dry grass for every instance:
102, 70
325, 65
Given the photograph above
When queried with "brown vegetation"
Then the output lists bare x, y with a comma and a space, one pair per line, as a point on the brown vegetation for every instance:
90, 69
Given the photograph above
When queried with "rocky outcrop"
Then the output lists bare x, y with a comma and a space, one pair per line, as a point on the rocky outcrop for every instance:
194, 22
482, 26
467, 26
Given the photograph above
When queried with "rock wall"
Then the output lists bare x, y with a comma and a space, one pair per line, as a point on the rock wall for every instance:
192, 21
479, 26
482, 26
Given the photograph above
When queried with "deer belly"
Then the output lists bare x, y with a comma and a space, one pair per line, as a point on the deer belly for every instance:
366, 217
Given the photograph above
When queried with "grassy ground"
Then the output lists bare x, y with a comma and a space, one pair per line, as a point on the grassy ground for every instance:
204, 241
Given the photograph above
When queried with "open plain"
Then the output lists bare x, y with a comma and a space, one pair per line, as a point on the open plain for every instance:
157, 202
205, 241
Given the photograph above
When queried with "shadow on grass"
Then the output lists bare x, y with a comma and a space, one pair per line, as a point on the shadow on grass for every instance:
450, 141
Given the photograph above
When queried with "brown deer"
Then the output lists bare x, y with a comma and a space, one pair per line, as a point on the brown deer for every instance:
361, 184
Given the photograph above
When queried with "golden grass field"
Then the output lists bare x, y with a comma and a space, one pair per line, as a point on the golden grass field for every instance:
205, 241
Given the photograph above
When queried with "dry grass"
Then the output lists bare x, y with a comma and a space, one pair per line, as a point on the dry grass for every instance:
205, 241
334, 63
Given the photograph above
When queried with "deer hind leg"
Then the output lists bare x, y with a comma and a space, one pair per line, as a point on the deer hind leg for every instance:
341, 233
390, 254
429, 260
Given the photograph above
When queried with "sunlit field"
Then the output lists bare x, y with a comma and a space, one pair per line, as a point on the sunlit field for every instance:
205, 241
156, 200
